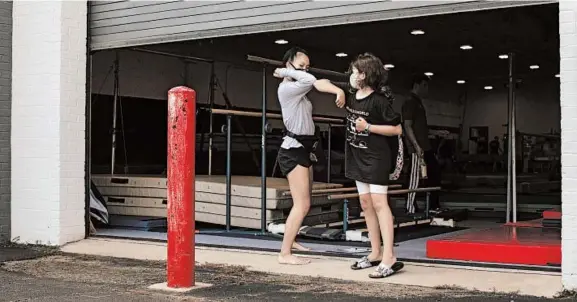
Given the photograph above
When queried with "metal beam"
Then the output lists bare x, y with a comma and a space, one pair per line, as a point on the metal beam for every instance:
279, 63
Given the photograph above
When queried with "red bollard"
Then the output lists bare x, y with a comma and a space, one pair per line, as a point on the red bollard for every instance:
180, 186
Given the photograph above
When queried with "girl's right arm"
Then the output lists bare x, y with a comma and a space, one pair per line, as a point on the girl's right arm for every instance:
302, 78
327, 87
297, 89
343, 85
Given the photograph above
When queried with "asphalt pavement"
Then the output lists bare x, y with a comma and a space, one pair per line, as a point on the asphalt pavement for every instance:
57, 277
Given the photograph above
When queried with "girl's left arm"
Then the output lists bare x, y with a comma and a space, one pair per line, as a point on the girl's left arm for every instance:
392, 120
386, 130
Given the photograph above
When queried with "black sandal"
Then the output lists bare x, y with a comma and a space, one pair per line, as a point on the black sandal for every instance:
364, 263
383, 271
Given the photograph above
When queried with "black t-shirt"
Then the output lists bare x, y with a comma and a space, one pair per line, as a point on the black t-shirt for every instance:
413, 110
494, 147
370, 158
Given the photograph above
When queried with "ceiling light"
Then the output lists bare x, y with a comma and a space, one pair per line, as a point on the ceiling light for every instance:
281, 42
429, 74
417, 32
557, 75
503, 57
488, 87
341, 55
466, 47
534, 67
389, 66
461, 82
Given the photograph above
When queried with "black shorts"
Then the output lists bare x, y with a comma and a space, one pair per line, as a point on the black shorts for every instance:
288, 159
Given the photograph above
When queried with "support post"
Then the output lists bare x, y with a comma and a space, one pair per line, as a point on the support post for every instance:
510, 140
345, 216
211, 89
513, 122
263, 152
181, 186
329, 135
88, 145
114, 115
427, 204
345, 148
228, 170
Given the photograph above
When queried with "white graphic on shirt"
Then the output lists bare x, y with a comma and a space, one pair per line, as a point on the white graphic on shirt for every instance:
357, 139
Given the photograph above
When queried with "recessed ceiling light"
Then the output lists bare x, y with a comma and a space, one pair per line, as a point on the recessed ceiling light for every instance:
281, 41
389, 66
429, 74
557, 75
461, 82
341, 55
417, 32
534, 67
466, 47
503, 57
488, 87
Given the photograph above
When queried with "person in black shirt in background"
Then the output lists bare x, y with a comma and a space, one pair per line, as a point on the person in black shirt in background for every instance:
495, 146
418, 144
495, 152
372, 130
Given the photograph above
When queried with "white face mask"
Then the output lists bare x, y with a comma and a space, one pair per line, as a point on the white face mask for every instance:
354, 81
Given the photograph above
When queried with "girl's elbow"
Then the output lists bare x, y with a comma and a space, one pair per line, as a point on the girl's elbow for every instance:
310, 81
399, 130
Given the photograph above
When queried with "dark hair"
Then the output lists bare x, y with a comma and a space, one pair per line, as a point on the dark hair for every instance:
291, 54
375, 74
418, 79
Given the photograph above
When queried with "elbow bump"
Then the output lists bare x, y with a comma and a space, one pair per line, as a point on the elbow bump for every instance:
311, 78
310, 81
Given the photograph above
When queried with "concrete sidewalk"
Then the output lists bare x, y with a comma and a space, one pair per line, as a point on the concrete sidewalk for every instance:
434, 276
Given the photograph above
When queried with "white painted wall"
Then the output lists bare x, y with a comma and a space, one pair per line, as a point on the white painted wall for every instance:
48, 121
568, 51
151, 76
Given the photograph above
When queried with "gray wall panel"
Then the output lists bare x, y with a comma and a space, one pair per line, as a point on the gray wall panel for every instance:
5, 105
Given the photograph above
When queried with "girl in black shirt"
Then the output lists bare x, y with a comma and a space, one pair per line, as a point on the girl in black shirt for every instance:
373, 128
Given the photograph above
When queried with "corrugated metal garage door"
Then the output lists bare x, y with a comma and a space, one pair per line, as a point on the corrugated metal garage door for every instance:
116, 24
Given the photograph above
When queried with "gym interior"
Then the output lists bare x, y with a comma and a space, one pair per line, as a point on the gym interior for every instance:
471, 58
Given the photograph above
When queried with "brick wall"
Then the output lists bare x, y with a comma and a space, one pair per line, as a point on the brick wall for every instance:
5, 89
568, 52
48, 120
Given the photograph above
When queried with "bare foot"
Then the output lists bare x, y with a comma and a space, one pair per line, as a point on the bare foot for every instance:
292, 260
299, 247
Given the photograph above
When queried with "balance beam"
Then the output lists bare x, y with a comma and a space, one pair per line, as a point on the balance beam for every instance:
392, 192
279, 63
273, 115
338, 190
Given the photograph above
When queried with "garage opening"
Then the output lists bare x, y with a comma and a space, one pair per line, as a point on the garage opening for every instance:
467, 57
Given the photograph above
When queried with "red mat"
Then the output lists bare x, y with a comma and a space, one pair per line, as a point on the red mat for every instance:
509, 244
537, 223
552, 214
